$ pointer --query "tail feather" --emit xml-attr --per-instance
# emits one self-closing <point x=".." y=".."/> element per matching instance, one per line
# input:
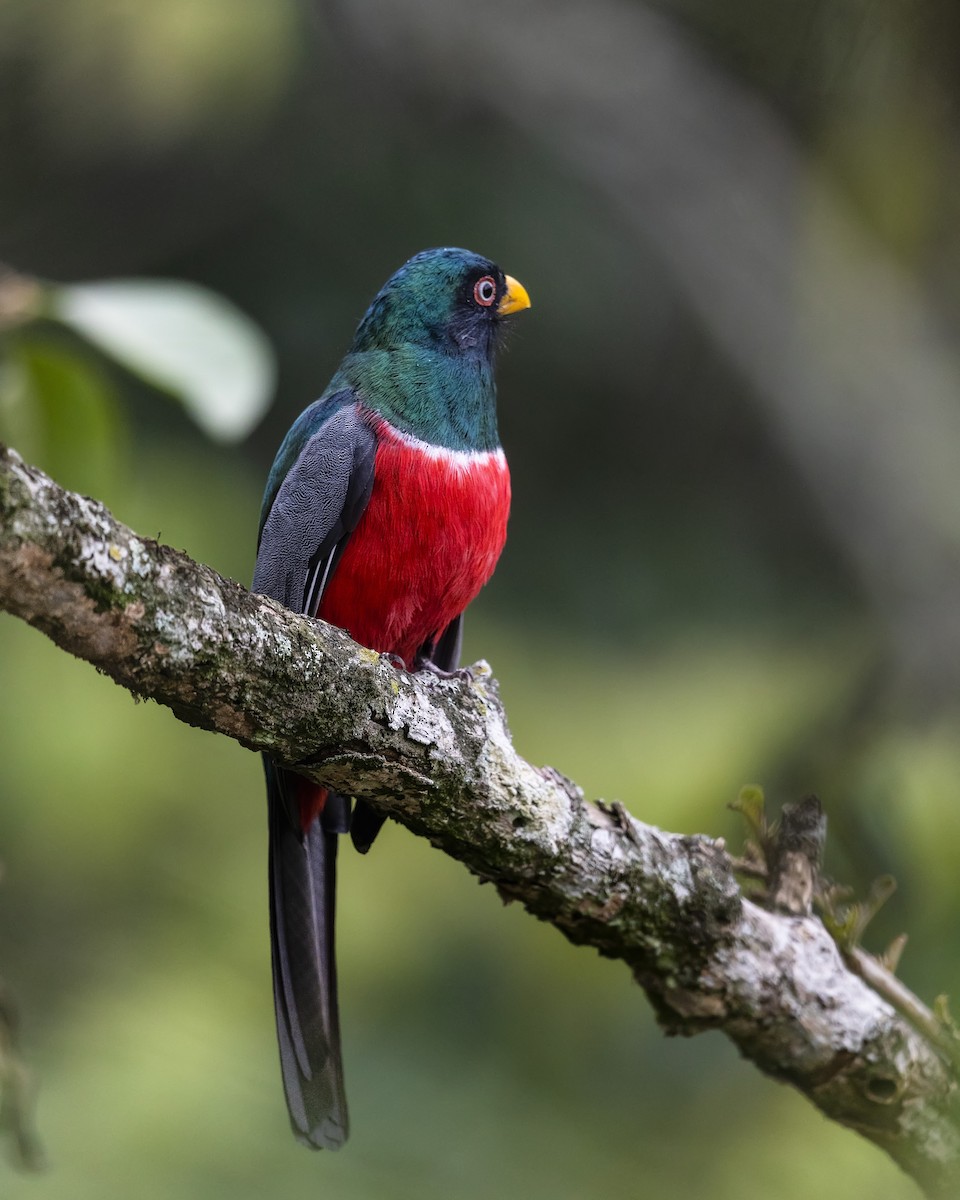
<point x="302" y="901"/>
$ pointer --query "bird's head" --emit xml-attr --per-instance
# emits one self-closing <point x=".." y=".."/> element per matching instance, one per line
<point x="445" y="300"/>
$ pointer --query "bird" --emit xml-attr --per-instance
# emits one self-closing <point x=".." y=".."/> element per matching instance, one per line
<point x="384" y="513"/>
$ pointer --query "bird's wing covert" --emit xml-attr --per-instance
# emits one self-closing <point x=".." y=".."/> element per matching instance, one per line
<point x="316" y="508"/>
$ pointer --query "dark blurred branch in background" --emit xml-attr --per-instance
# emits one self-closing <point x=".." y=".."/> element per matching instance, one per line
<point x="17" y="1091"/>
<point x="849" y="359"/>
<point x="437" y="756"/>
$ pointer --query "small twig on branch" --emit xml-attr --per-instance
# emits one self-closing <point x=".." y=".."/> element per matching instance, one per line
<point x="922" y="1018"/>
<point x="21" y="298"/>
<point x="437" y="756"/>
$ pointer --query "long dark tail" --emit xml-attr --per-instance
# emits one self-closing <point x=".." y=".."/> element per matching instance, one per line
<point x="303" y="870"/>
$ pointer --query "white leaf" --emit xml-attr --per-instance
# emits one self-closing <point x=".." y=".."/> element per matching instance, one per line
<point x="182" y="338"/>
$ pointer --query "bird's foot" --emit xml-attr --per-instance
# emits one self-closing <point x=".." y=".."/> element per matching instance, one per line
<point x="395" y="661"/>
<point x="426" y="664"/>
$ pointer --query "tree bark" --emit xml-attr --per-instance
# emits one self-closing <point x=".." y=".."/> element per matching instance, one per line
<point x="437" y="756"/>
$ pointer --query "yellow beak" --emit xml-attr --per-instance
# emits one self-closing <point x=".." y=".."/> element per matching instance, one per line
<point x="515" y="298"/>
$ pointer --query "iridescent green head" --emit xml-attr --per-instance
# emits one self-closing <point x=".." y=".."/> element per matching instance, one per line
<point x="423" y="353"/>
<point x="448" y="300"/>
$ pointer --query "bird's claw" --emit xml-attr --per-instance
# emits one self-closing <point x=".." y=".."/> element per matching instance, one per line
<point x="428" y="665"/>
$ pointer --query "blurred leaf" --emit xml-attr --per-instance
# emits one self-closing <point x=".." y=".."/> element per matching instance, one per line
<point x="59" y="411"/>
<point x="183" y="339"/>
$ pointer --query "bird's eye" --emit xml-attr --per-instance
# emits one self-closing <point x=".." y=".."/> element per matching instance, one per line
<point x="485" y="291"/>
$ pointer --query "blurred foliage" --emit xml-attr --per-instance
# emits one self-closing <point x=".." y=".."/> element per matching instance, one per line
<point x="678" y="611"/>
<point x="182" y="339"/>
<point x="58" y="408"/>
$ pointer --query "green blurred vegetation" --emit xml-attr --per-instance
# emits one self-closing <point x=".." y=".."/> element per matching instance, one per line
<point x="676" y="613"/>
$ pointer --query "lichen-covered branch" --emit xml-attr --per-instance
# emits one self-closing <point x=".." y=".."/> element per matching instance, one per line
<point x="437" y="756"/>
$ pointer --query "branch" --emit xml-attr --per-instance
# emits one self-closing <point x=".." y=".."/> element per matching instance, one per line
<point x="437" y="756"/>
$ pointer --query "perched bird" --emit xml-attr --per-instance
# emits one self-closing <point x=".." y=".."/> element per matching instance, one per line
<point x="385" y="513"/>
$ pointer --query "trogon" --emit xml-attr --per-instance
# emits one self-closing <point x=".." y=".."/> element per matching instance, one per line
<point x="385" y="513"/>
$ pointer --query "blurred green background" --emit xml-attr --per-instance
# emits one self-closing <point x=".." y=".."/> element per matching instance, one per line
<point x="733" y="420"/>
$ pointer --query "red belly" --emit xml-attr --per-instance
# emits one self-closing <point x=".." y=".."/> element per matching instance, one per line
<point x="426" y="544"/>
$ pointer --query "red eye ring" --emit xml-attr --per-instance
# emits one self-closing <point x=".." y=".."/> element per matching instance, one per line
<point x="485" y="291"/>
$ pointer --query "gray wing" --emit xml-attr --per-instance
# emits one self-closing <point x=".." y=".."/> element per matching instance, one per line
<point x="317" y="506"/>
<point x="315" y="510"/>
